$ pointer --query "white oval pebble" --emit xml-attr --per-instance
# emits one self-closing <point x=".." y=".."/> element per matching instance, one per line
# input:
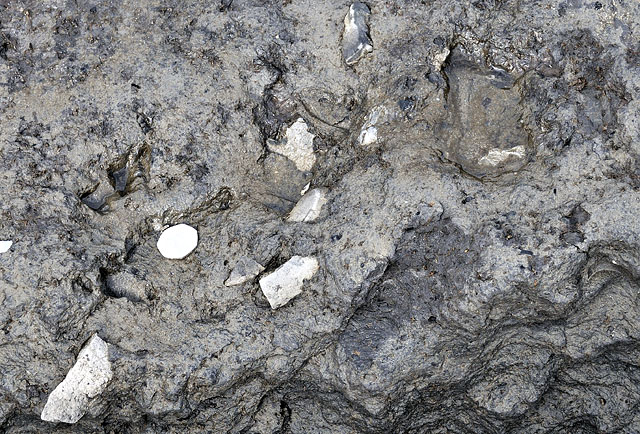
<point x="5" y="245"/>
<point x="177" y="241"/>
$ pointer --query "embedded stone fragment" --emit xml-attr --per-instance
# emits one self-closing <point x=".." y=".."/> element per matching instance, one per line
<point x="245" y="270"/>
<point x="5" y="245"/>
<point x="369" y="132"/>
<point x="308" y="207"/>
<point x="85" y="380"/>
<point x="497" y="156"/>
<point x="297" y="145"/>
<point x="177" y="241"/>
<point x="355" y="38"/>
<point x="286" y="282"/>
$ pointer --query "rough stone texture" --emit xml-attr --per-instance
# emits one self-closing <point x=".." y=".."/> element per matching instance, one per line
<point x="511" y="306"/>
<point x="86" y="379"/>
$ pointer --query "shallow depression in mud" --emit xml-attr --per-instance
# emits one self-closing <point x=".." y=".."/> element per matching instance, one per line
<point x="485" y="132"/>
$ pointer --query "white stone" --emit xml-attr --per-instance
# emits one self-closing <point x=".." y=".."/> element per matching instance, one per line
<point x="308" y="207"/>
<point x="305" y="189"/>
<point x="286" y="282"/>
<point x="297" y="146"/>
<point x="5" y="245"/>
<point x="176" y="242"/>
<point x="85" y="380"/>
<point x="369" y="132"/>
<point x="355" y="38"/>
<point x="245" y="270"/>
<point x="497" y="156"/>
<point x="368" y="136"/>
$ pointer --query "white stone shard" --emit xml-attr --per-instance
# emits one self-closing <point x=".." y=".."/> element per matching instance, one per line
<point x="355" y="38"/>
<point x="5" y="245"/>
<point x="176" y="242"/>
<point x="245" y="270"/>
<point x="85" y="380"/>
<point x="286" y="282"/>
<point x="497" y="156"/>
<point x="440" y="58"/>
<point x="297" y="146"/>
<point x="308" y="207"/>
<point x="369" y="132"/>
<point x="305" y="189"/>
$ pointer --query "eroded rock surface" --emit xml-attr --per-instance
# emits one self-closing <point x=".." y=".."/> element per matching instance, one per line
<point x="478" y="266"/>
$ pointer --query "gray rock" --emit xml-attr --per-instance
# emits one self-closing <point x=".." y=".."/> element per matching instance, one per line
<point x="355" y="38"/>
<point x="244" y="270"/>
<point x="479" y="259"/>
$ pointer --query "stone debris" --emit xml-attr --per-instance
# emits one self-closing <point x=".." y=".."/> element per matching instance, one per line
<point x="85" y="380"/>
<point x="497" y="156"/>
<point x="176" y="242"/>
<point x="245" y="270"/>
<point x="297" y="145"/>
<point x="308" y="207"/>
<point x="286" y="282"/>
<point x="305" y="189"/>
<point x="355" y="38"/>
<point x="369" y="132"/>
<point x="5" y="245"/>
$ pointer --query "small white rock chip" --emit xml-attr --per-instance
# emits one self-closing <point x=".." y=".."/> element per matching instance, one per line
<point x="286" y="282"/>
<point x="498" y="156"/>
<point x="355" y="38"/>
<point x="5" y="245"/>
<point x="369" y="132"/>
<point x="308" y="207"/>
<point x="85" y="380"/>
<point x="297" y="146"/>
<point x="245" y="270"/>
<point x="177" y="241"/>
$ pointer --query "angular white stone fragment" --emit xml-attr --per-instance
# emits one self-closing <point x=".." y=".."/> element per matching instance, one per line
<point x="177" y="241"/>
<point x="498" y="156"/>
<point x="245" y="270"/>
<point x="286" y="282"/>
<point x="297" y="146"/>
<point x="440" y="58"/>
<point x="369" y="132"/>
<point x="85" y="380"/>
<point x="368" y="136"/>
<point x="305" y="189"/>
<point x="355" y="38"/>
<point x="308" y="207"/>
<point x="5" y="245"/>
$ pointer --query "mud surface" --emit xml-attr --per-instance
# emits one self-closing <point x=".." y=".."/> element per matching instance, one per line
<point x="479" y="262"/>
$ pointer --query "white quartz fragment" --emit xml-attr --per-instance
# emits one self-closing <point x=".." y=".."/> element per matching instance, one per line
<point x="498" y="156"/>
<point x="355" y="38"/>
<point x="5" y="245"/>
<point x="308" y="207"/>
<point x="369" y="132"/>
<point x="297" y="145"/>
<point x="85" y="380"/>
<point x="286" y="282"/>
<point x="176" y="242"/>
<point x="244" y="270"/>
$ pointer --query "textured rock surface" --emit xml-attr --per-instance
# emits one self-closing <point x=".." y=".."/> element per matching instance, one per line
<point x="463" y="286"/>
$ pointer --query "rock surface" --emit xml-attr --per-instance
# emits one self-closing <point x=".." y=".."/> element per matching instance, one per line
<point x="85" y="380"/>
<point x="454" y="294"/>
